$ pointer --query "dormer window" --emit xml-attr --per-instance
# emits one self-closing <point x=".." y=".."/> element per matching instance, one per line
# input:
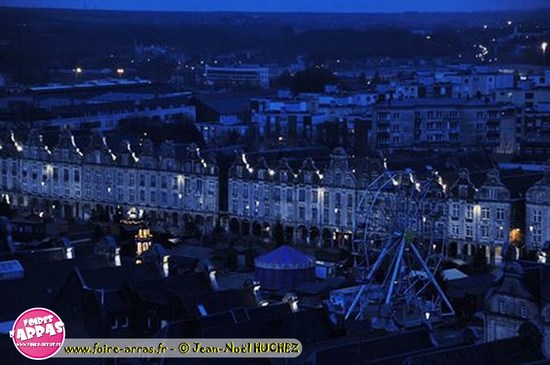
<point x="463" y="191"/>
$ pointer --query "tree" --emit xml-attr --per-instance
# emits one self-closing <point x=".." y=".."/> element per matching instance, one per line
<point x="285" y="79"/>
<point x="375" y="79"/>
<point x="312" y="80"/>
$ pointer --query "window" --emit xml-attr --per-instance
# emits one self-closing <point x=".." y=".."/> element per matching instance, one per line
<point x="500" y="233"/>
<point x="485" y="213"/>
<point x="537" y="216"/>
<point x="463" y="191"/>
<point x="314" y="215"/>
<point x="455" y="230"/>
<point x="277" y="194"/>
<point x="289" y="196"/>
<point x="502" y="307"/>
<point x="500" y="214"/>
<point x="326" y="198"/>
<point x="523" y="311"/>
<point x="455" y="210"/>
<point x="301" y="195"/>
<point x="301" y="214"/>
<point x="469" y="212"/>
<point x="314" y="196"/>
<point x="484" y="232"/>
<point x="338" y="200"/>
<point x="469" y="231"/>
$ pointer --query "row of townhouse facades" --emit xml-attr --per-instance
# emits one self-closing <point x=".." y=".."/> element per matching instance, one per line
<point x="330" y="206"/>
<point x="313" y="206"/>
<point x="74" y="183"/>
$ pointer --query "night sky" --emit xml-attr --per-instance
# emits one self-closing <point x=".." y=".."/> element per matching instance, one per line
<point x="288" y="5"/>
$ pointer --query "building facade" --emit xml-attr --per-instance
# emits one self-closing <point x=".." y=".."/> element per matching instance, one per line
<point x="242" y="75"/>
<point x="537" y="214"/>
<point x="444" y="124"/>
<point x="312" y="206"/>
<point x="479" y="219"/>
<point x="67" y="182"/>
<point x="518" y="296"/>
<point x="328" y="207"/>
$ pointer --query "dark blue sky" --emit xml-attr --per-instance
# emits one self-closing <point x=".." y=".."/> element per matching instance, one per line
<point x="289" y="5"/>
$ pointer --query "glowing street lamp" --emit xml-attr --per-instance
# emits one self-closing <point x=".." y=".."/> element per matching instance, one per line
<point x="543" y="47"/>
<point x="77" y="71"/>
<point x="120" y="72"/>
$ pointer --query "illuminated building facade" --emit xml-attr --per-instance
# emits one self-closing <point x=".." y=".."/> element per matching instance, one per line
<point x="313" y="207"/>
<point x="479" y="218"/>
<point x="537" y="214"/>
<point x="68" y="182"/>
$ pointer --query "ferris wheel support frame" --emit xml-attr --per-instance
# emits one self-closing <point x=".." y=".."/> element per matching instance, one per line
<point x="403" y="243"/>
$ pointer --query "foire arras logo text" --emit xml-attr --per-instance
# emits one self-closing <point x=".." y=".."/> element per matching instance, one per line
<point x="38" y="333"/>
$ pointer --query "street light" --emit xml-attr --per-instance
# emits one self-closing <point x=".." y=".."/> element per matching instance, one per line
<point x="544" y="46"/>
<point x="77" y="71"/>
<point x="120" y="71"/>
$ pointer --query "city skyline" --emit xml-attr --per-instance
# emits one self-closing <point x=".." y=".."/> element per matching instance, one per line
<point x="392" y="6"/>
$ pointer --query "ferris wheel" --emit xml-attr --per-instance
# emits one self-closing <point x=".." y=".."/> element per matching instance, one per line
<point x="398" y="247"/>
